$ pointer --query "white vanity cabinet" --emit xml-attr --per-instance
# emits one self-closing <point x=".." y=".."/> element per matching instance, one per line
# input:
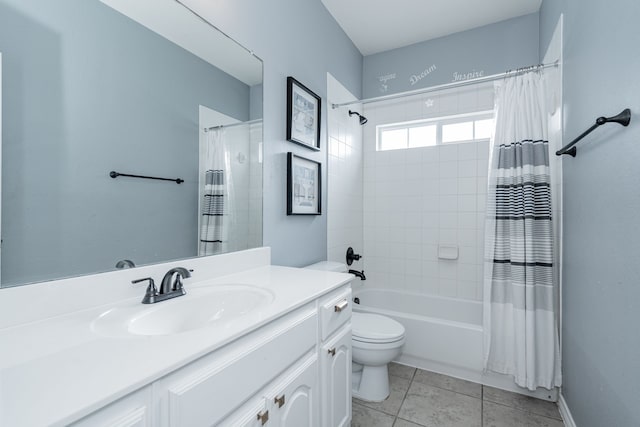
<point x="292" y="372"/>
<point x="210" y="390"/>
<point x="335" y="358"/>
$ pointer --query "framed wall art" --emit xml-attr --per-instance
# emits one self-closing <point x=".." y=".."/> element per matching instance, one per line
<point x="304" y="189"/>
<point x="303" y="115"/>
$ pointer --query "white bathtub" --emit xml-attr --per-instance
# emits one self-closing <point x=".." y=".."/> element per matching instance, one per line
<point x="442" y="335"/>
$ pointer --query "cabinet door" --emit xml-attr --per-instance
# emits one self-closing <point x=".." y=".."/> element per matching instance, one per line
<point x="252" y="414"/>
<point x="294" y="401"/>
<point x="336" y="379"/>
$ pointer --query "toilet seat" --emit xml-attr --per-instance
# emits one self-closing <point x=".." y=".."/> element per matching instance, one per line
<point x="374" y="328"/>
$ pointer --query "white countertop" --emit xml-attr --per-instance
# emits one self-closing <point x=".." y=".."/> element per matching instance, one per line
<point x="57" y="370"/>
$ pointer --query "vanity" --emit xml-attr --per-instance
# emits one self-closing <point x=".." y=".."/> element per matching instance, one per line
<point x="250" y="344"/>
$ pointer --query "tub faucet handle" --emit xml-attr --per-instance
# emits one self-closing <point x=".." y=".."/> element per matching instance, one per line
<point x="352" y="256"/>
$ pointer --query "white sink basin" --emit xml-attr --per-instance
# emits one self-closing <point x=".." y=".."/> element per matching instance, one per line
<point x="199" y="308"/>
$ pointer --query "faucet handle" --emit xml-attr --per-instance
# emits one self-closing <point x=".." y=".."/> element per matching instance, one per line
<point x="151" y="292"/>
<point x="182" y="274"/>
<point x="177" y="285"/>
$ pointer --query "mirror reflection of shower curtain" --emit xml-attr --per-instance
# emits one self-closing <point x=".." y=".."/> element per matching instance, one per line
<point x="217" y="202"/>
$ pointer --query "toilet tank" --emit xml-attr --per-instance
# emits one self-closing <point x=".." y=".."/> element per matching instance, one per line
<point x="338" y="267"/>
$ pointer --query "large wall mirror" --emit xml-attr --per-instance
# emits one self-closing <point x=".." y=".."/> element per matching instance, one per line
<point x="90" y="87"/>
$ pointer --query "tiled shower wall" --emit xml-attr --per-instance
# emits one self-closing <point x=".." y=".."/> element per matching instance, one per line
<point x="418" y="198"/>
<point x="345" y="162"/>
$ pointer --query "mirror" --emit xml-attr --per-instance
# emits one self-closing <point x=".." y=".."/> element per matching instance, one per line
<point x="90" y="87"/>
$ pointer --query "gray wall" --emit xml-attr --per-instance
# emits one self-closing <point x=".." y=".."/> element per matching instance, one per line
<point x="86" y="91"/>
<point x="601" y="296"/>
<point x="296" y="38"/>
<point x="482" y="51"/>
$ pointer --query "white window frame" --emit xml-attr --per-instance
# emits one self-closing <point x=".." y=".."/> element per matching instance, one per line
<point x="439" y="122"/>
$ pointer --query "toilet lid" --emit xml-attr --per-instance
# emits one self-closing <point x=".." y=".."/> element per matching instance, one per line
<point x="375" y="328"/>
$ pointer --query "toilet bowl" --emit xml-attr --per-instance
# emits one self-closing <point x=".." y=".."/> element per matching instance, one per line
<point x="376" y="341"/>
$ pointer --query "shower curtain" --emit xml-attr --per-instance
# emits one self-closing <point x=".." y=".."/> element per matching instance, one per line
<point x="520" y="290"/>
<point x="217" y="202"/>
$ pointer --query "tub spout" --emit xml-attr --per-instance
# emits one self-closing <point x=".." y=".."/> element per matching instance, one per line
<point x="359" y="274"/>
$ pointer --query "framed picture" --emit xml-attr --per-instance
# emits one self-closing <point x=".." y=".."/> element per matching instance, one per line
<point x="303" y="186"/>
<point x="303" y="115"/>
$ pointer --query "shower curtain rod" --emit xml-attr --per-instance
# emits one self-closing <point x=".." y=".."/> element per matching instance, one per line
<point x="250" y="122"/>
<point x="449" y="85"/>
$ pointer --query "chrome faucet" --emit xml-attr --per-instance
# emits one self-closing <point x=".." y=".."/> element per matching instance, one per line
<point x="169" y="285"/>
<point x="169" y="288"/>
<point x="125" y="263"/>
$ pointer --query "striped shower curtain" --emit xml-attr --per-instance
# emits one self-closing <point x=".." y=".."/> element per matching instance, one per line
<point x="217" y="201"/>
<point x="520" y="293"/>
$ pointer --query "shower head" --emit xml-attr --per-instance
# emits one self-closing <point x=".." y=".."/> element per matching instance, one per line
<point x="363" y="119"/>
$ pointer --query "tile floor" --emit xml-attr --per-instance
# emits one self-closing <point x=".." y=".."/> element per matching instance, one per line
<point x="426" y="399"/>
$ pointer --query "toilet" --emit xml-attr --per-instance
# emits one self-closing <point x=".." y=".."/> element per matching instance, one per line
<point x="376" y="341"/>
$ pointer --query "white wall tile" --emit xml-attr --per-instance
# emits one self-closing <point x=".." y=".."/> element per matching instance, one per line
<point x="467" y="289"/>
<point x="467" y="255"/>
<point x="467" y="272"/>
<point x="467" y="185"/>
<point x="448" y="269"/>
<point x="467" y="168"/>
<point x="448" y="186"/>
<point x="449" y="220"/>
<point x="448" y="203"/>
<point x="448" y="153"/>
<point x="430" y="155"/>
<point x="448" y="169"/>
<point x="448" y="236"/>
<point x="413" y="251"/>
<point x="430" y="236"/>
<point x="467" y="151"/>
<point x="430" y="252"/>
<point x="448" y="287"/>
<point x="467" y="203"/>
<point x="430" y="284"/>
<point x="430" y="269"/>
<point x="466" y="220"/>
<point x="468" y="237"/>
<point x="413" y="267"/>
<point x="416" y="199"/>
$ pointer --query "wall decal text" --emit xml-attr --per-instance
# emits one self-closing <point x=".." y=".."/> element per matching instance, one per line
<point x="384" y="79"/>
<point x="473" y="74"/>
<point x="417" y="77"/>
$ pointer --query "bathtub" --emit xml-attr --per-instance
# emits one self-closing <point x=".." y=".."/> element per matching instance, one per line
<point x="442" y="335"/>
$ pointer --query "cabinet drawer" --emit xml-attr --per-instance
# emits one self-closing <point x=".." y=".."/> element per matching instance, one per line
<point x="335" y="310"/>
<point x="206" y="395"/>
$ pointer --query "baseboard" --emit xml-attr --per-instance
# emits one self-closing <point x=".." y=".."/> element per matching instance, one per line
<point x="565" y="413"/>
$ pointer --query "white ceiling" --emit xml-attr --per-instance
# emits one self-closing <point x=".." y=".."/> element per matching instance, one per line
<point x="378" y="25"/>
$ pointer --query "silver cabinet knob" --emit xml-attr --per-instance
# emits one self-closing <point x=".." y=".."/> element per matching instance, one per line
<point x="263" y="417"/>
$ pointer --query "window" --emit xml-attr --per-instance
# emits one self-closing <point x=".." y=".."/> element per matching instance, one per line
<point x="442" y="130"/>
